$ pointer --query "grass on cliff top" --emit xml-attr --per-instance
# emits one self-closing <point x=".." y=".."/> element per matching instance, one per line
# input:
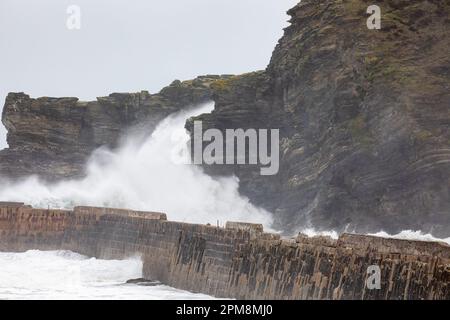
<point x="359" y="131"/>
<point x="226" y="84"/>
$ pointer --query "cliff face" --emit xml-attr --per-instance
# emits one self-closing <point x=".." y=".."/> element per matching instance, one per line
<point x="364" y="117"/>
<point x="239" y="261"/>
<point x="53" y="137"/>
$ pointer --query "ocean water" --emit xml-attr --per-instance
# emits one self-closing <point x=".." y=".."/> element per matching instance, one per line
<point x="65" y="275"/>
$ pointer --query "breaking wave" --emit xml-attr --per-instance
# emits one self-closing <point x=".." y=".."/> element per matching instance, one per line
<point x="411" y="235"/>
<point x="147" y="176"/>
<point x="404" y="235"/>
<point x="153" y="176"/>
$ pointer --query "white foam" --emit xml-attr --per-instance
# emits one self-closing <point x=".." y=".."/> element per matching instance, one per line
<point x="405" y="234"/>
<point x="411" y="235"/>
<point x="311" y="232"/>
<point x="147" y="177"/>
<point x="67" y="275"/>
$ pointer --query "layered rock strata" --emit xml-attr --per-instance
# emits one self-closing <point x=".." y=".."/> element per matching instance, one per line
<point x="364" y="117"/>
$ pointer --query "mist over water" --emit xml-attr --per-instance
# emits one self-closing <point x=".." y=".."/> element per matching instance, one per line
<point x="153" y="176"/>
<point x="148" y="176"/>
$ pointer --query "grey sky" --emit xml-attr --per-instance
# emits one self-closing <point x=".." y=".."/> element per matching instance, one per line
<point x="131" y="45"/>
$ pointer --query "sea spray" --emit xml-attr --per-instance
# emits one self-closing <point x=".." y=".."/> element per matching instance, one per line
<point x="411" y="235"/>
<point x="154" y="175"/>
<point x="403" y="235"/>
<point x="147" y="176"/>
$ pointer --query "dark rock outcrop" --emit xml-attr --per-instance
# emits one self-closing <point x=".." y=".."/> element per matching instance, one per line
<point x="53" y="137"/>
<point x="144" y="282"/>
<point x="364" y="118"/>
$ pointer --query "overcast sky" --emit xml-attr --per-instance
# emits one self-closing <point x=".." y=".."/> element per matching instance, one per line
<point x="131" y="45"/>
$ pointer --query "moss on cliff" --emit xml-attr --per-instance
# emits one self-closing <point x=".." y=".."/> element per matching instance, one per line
<point x="360" y="132"/>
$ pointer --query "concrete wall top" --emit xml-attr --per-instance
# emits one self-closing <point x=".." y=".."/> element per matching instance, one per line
<point x="393" y="245"/>
<point x="11" y="204"/>
<point x="244" y="226"/>
<point x="121" y="212"/>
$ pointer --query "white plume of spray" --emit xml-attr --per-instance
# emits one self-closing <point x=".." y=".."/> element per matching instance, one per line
<point x="311" y="232"/>
<point x="404" y="235"/>
<point x="42" y="275"/>
<point x="151" y="176"/>
<point x="148" y="176"/>
<point x="411" y="235"/>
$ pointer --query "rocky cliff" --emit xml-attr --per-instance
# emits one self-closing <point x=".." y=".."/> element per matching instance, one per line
<point x="364" y="117"/>
<point x="53" y="137"/>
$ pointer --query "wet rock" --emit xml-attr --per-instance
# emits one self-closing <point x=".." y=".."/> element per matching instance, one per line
<point x="144" y="282"/>
<point x="363" y="115"/>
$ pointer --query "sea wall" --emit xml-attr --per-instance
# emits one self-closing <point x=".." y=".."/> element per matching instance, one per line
<point x="238" y="261"/>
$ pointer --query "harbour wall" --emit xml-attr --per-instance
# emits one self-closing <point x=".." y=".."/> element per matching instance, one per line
<point x="239" y="260"/>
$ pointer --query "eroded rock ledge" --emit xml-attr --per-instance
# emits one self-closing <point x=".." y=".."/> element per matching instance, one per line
<point x="239" y="261"/>
<point x="53" y="137"/>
